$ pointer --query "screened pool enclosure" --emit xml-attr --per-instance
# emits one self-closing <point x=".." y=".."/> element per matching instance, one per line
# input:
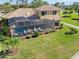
<point x="23" y="26"/>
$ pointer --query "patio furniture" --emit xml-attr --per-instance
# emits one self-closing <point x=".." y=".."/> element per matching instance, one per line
<point x="39" y="29"/>
<point x="15" y="34"/>
<point x="35" y="30"/>
<point x="20" y="34"/>
<point x="25" y="32"/>
<point x="29" y="31"/>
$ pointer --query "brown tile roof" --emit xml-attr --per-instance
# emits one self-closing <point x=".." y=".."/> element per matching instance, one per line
<point x="47" y="8"/>
<point x="20" y="12"/>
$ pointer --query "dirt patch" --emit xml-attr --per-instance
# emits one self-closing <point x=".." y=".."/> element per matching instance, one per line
<point x="14" y="52"/>
<point x="41" y="56"/>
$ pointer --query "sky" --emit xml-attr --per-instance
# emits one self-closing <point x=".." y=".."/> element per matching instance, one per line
<point x="50" y="1"/>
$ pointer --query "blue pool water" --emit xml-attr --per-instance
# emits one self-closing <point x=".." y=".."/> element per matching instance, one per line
<point x="20" y="30"/>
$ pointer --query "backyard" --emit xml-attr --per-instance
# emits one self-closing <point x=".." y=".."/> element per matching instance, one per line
<point x="60" y="42"/>
<point x="55" y="45"/>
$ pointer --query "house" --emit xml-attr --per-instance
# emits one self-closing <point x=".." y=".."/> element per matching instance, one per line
<point x="27" y="20"/>
<point x="49" y="12"/>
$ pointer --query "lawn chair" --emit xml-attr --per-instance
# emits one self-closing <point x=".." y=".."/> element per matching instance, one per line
<point x="15" y="34"/>
<point x="25" y="32"/>
<point x="29" y="31"/>
<point x="39" y="29"/>
<point x="36" y="30"/>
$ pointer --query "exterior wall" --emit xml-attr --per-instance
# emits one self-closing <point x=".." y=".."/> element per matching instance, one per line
<point x="12" y="30"/>
<point x="49" y="15"/>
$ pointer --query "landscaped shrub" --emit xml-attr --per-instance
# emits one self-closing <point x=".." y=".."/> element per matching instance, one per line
<point x="65" y="12"/>
<point x="71" y="31"/>
<point x="75" y="18"/>
<point x="68" y="12"/>
<point x="46" y="32"/>
<point x="5" y="29"/>
<point x="2" y="54"/>
<point x="27" y="37"/>
<point x="66" y="16"/>
<point x="61" y="26"/>
<point x="36" y="34"/>
<point x="71" y="11"/>
<point x="8" y="51"/>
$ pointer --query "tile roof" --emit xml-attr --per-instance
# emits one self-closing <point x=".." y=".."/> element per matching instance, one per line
<point x="47" y="8"/>
<point x="20" y="12"/>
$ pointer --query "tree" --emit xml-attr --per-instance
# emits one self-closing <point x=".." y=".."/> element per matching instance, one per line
<point x="22" y="3"/>
<point x="38" y="3"/>
<point x="62" y="5"/>
<point x="9" y="42"/>
<point x="75" y="6"/>
<point x="45" y="3"/>
<point x="14" y="41"/>
<point x="6" y="7"/>
<point x="8" y="45"/>
<point x="57" y="4"/>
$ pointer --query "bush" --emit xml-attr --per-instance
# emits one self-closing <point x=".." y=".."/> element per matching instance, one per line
<point x="70" y="12"/>
<point x="71" y="32"/>
<point x="65" y="12"/>
<point x="5" y="29"/>
<point x="61" y="26"/>
<point x="66" y="16"/>
<point x="36" y="34"/>
<point x="75" y="18"/>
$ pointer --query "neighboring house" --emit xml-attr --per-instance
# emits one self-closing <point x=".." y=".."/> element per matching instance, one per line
<point x="26" y="20"/>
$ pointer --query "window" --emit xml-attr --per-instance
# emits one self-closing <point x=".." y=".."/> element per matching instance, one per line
<point x="54" y="12"/>
<point x="43" y="13"/>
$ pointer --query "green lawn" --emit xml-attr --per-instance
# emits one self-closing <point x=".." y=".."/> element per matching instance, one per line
<point x="54" y="45"/>
<point x="69" y="20"/>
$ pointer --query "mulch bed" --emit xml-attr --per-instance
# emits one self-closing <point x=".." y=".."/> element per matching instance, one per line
<point x="14" y="51"/>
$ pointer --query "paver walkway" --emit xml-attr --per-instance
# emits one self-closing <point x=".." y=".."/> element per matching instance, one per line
<point x="70" y="25"/>
<point x="76" y="56"/>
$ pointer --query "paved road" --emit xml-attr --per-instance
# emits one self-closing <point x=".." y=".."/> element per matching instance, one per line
<point x="70" y="25"/>
<point x="76" y="56"/>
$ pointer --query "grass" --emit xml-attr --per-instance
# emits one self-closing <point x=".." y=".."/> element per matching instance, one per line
<point x="69" y="19"/>
<point x="54" y="45"/>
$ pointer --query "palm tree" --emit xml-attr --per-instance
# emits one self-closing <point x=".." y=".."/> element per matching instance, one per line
<point x="22" y="3"/>
<point x="9" y="42"/>
<point x="14" y="42"/>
